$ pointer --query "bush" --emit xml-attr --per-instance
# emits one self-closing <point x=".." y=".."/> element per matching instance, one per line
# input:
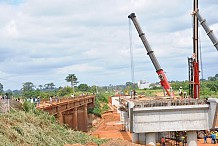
<point x="27" y="106"/>
<point x="101" y="105"/>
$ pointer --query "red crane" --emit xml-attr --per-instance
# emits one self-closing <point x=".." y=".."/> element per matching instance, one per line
<point x="195" y="82"/>
<point x="163" y="79"/>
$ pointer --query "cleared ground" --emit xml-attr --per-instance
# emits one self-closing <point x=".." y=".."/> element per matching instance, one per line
<point x="110" y="127"/>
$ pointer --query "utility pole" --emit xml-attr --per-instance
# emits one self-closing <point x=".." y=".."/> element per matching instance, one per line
<point x="196" y="82"/>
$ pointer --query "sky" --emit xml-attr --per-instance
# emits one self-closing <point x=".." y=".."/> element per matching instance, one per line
<point x="42" y="41"/>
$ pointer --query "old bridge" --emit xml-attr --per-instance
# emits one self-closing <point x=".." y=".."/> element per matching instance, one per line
<point x="71" y="111"/>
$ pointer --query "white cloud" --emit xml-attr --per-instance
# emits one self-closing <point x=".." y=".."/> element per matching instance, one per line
<point x="43" y="41"/>
<point x="11" y="30"/>
<point x="79" y="68"/>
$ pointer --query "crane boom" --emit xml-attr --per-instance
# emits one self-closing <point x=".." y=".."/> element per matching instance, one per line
<point x="207" y="29"/>
<point x="163" y="79"/>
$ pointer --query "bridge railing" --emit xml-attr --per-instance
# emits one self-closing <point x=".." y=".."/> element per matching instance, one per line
<point x="54" y="101"/>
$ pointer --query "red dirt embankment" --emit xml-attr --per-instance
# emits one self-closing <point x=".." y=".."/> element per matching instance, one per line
<point x="110" y="127"/>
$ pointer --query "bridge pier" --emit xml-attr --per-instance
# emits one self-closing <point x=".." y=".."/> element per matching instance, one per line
<point x="75" y="119"/>
<point x="142" y="139"/>
<point x="60" y="117"/>
<point x="150" y="139"/>
<point x="83" y="119"/>
<point x="135" y="138"/>
<point x="192" y="138"/>
<point x="72" y="111"/>
<point x="68" y="118"/>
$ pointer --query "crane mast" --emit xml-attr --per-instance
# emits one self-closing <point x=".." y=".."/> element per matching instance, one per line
<point x="207" y="29"/>
<point x="195" y="80"/>
<point x="163" y="79"/>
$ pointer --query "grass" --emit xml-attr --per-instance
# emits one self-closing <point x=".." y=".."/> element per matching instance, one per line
<point x="36" y="128"/>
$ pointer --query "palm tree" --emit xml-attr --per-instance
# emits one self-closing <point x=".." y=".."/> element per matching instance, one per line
<point x="40" y="87"/>
<point x="49" y="86"/>
<point x="72" y="79"/>
<point x="28" y="86"/>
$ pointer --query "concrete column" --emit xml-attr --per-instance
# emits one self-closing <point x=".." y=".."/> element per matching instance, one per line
<point x="131" y="105"/>
<point x="60" y="118"/>
<point x="135" y="138"/>
<point x="150" y="139"/>
<point x="67" y="119"/>
<point x="85" y="118"/>
<point x="142" y="138"/>
<point x="75" y="121"/>
<point x="82" y="119"/>
<point x="125" y="121"/>
<point x="192" y="138"/>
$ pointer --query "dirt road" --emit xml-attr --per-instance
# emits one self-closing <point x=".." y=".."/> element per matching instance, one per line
<point x="110" y="127"/>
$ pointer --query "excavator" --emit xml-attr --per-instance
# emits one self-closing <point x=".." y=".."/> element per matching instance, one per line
<point x="163" y="79"/>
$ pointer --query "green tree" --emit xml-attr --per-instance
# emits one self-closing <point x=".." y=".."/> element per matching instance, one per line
<point x="28" y="89"/>
<point x="216" y="75"/>
<point x="40" y="87"/>
<point x="93" y="89"/>
<point x="130" y="84"/>
<point x="65" y="91"/>
<point x="28" y="86"/>
<point x="212" y="85"/>
<point x="83" y="87"/>
<point x="49" y="86"/>
<point x="72" y="79"/>
<point x="213" y="79"/>
<point x="1" y="88"/>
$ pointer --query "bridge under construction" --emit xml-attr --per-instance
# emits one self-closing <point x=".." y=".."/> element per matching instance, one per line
<point x="145" y="119"/>
<point x="71" y="111"/>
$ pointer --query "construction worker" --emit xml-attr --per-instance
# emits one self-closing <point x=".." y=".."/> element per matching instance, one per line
<point x="131" y="94"/>
<point x="213" y="138"/>
<point x="180" y="91"/>
<point x="183" y="138"/>
<point x="205" y="137"/>
<point x="216" y="133"/>
<point x="163" y="141"/>
<point x="177" y="138"/>
<point x="134" y="94"/>
<point x="185" y="94"/>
